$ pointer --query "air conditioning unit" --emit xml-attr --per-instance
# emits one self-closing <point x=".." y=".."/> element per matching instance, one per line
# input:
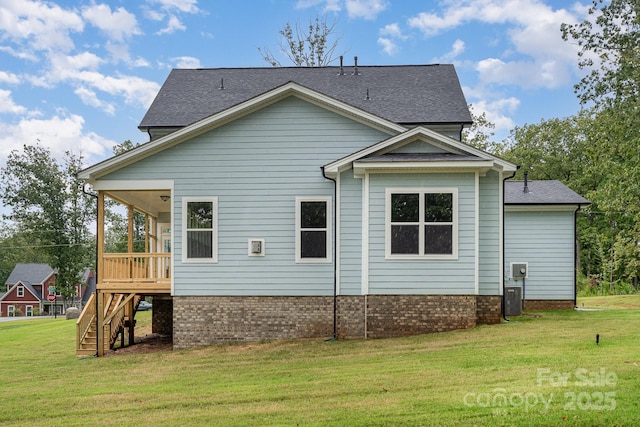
<point x="513" y="301"/>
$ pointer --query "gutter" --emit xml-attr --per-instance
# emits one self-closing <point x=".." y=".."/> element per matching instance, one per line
<point x="504" y="253"/>
<point x="335" y="255"/>
<point x="575" y="257"/>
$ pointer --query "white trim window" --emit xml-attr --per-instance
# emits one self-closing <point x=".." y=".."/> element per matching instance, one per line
<point x="421" y="223"/>
<point x="11" y="311"/>
<point x="29" y="312"/>
<point x="313" y="229"/>
<point x="20" y="291"/>
<point x="200" y="229"/>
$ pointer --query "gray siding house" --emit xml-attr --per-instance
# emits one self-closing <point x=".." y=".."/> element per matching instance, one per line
<point x="307" y="202"/>
<point x="540" y="235"/>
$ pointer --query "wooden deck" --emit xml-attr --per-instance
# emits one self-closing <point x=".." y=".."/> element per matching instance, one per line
<point x="141" y="273"/>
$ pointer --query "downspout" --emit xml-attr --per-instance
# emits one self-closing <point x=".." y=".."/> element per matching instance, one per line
<point x="335" y="256"/>
<point x="575" y="257"/>
<point x="96" y="260"/>
<point x="504" y="253"/>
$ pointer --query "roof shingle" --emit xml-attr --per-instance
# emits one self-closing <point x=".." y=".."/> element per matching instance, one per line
<point x="406" y="94"/>
<point x="541" y="193"/>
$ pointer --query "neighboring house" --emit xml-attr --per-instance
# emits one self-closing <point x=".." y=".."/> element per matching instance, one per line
<point x="28" y="291"/>
<point x="303" y="202"/>
<point x="540" y="236"/>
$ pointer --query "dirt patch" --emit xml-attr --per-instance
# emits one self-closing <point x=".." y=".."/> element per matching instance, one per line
<point x="149" y="343"/>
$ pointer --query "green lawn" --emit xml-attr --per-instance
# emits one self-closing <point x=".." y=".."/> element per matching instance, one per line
<point x="543" y="368"/>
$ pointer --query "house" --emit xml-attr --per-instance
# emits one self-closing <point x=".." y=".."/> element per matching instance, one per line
<point x="540" y="237"/>
<point x="30" y="291"/>
<point x="302" y="202"/>
<point x="27" y="290"/>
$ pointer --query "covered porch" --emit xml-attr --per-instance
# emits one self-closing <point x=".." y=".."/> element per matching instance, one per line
<point x="129" y="267"/>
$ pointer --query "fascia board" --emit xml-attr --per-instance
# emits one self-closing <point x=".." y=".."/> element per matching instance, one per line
<point x="482" y="167"/>
<point x="542" y="207"/>
<point x="434" y="137"/>
<point x="289" y="89"/>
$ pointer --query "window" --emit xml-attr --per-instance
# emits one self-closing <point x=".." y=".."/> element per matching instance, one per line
<point x="199" y="230"/>
<point x="313" y="229"/>
<point x="421" y="223"/>
<point x="11" y="311"/>
<point x="29" y="311"/>
<point x="20" y="291"/>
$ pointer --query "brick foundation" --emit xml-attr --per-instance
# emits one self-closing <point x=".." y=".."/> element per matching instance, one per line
<point x="214" y="320"/>
<point x="489" y="309"/>
<point x="549" y="304"/>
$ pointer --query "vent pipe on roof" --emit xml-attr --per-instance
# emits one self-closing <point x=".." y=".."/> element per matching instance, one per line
<point x="367" y="97"/>
<point x="341" y="73"/>
<point x="526" y="181"/>
<point x="355" y="66"/>
<point x="221" y="87"/>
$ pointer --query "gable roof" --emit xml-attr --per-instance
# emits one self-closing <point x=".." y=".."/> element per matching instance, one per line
<point x="29" y="273"/>
<point x="27" y="286"/>
<point x="405" y="94"/>
<point x="381" y="155"/>
<point x="232" y="113"/>
<point x="541" y="193"/>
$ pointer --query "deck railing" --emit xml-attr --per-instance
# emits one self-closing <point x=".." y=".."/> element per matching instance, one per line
<point x="137" y="267"/>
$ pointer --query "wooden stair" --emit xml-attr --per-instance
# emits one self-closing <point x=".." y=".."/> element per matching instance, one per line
<point x="114" y="323"/>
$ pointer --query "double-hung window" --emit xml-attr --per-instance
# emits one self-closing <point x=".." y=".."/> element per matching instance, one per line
<point x="200" y="229"/>
<point x="422" y="223"/>
<point x="20" y="291"/>
<point x="313" y="229"/>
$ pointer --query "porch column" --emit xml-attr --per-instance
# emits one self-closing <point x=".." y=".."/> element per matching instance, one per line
<point x="130" y="229"/>
<point x="100" y="277"/>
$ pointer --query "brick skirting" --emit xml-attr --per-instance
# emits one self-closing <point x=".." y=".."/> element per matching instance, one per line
<point x="549" y="304"/>
<point x="201" y="321"/>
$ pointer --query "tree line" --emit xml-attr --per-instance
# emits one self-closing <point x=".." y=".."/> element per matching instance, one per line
<point x="595" y="152"/>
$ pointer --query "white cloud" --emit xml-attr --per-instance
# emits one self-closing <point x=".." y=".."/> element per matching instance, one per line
<point x="366" y="9"/>
<point x="457" y="48"/>
<point x="9" y="78"/>
<point x="393" y="30"/>
<point x="59" y="133"/>
<point x="185" y="6"/>
<point x="36" y="26"/>
<point x="118" y="25"/>
<point x="388" y="46"/>
<point x="7" y="105"/>
<point x="89" y="97"/>
<point x="186" y="62"/>
<point x="173" y="25"/>
<point x="498" y="110"/>
<point x="539" y="56"/>
<point x="356" y="9"/>
<point x="390" y="34"/>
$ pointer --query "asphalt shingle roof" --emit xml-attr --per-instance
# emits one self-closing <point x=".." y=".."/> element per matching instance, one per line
<point x="541" y="193"/>
<point x="405" y="94"/>
<point x="29" y="273"/>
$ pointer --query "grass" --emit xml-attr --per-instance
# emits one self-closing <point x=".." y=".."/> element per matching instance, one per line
<point x="455" y="378"/>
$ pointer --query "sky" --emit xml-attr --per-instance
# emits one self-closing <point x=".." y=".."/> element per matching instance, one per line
<point x="79" y="75"/>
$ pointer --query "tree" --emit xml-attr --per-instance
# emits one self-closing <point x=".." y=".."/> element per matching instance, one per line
<point x="124" y="147"/>
<point x="610" y="47"/>
<point x="48" y="206"/>
<point x="17" y="247"/>
<point x="314" y="48"/>
<point x="480" y="134"/>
